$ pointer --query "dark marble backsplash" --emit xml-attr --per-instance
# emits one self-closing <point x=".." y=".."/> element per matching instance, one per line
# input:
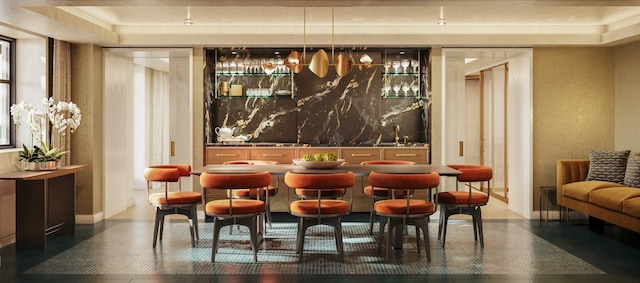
<point x="341" y="111"/>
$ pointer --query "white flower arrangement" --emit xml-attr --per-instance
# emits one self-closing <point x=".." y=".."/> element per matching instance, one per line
<point x="62" y="116"/>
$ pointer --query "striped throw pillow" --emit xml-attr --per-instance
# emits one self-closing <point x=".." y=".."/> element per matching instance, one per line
<point x="607" y="166"/>
<point x="632" y="175"/>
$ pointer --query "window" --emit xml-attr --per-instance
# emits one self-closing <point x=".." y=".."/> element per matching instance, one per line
<point x="7" y="91"/>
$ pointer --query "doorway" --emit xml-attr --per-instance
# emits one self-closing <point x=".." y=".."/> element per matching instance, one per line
<point x="147" y="105"/>
<point x="493" y="127"/>
<point x="487" y="98"/>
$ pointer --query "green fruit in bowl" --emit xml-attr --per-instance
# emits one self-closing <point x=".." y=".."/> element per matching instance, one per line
<point x="320" y="156"/>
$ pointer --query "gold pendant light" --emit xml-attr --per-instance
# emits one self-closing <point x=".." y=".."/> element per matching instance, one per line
<point x="319" y="64"/>
<point x="294" y="62"/>
<point x="343" y="65"/>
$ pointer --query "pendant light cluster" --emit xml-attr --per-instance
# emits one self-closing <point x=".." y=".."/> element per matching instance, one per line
<point x="319" y="64"/>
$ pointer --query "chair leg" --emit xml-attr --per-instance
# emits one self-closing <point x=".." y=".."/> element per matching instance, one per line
<point x="336" y="223"/>
<point x="474" y="219"/>
<point x="443" y="210"/>
<point x="195" y="221"/>
<point x="418" y="238"/>
<point x="216" y="234"/>
<point x="253" y="236"/>
<point x="371" y="216"/>
<point x="383" y="224"/>
<point x="300" y="237"/>
<point x="156" y="226"/>
<point x="444" y="226"/>
<point x="161" y="227"/>
<point x="422" y="224"/>
<point x="268" y="214"/>
<point x="191" y="230"/>
<point x="480" y="232"/>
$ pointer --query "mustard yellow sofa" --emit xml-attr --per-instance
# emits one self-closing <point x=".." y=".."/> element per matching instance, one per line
<point x="612" y="202"/>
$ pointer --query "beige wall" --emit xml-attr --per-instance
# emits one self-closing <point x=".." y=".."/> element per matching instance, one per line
<point x="86" y="142"/>
<point x="573" y="107"/>
<point x="627" y="97"/>
<point x="198" y="112"/>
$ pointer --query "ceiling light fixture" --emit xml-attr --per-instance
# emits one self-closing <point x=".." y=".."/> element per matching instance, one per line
<point x="441" y="21"/>
<point x="188" y="21"/>
<point x="319" y="64"/>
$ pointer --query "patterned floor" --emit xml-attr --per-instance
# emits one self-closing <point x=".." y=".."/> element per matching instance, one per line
<point x="107" y="253"/>
<point x="515" y="251"/>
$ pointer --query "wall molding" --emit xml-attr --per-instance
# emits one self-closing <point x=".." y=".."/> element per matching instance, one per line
<point x="89" y="219"/>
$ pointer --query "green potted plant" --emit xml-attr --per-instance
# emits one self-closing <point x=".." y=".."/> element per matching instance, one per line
<point x="41" y="158"/>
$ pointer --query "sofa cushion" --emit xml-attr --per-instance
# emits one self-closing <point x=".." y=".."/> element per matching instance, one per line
<point x="632" y="174"/>
<point x="607" y="166"/>
<point x="581" y="190"/>
<point x="613" y="198"/>
<point x="632" y="207"/>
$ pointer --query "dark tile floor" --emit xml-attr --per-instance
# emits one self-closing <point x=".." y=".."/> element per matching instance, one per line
<point x="546" y="252"/>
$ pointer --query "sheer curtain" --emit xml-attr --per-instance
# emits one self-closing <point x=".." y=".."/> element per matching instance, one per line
<point x="62" y="92"/>
<point x="158" y="114"/>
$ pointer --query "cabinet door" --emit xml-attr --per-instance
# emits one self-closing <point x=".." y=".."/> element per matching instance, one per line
<point x="217" y="155"/>
<point x="417" y="155"/>
<point x="357" y="155"/>
<point x="281" y="155"/>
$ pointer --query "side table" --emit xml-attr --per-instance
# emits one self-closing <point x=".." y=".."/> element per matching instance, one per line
<point x="548" y="193"/>
<point x="45" y="204"/>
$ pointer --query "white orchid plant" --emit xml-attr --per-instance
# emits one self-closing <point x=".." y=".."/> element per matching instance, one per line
<point x="62" y="116"/>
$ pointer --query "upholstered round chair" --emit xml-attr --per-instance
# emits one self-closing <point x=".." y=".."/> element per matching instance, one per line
<point x="232" y="211"/>
<point x="377" y="193"/>
<point x="467" y="201"/>
<point x="171" y="202"/>
<point x="320" y="210"/>
<point x="264" y="194"/>
<point x="396" y="213"/>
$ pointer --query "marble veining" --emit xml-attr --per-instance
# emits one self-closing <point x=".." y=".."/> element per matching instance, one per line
<point x="333" y="110"/>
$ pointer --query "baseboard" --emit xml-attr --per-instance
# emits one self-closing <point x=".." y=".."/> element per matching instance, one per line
<point x="89" y="219"/>
<point x="7" y="240"/>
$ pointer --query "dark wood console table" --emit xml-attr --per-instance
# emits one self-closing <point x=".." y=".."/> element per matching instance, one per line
<point x="45" y="204"/>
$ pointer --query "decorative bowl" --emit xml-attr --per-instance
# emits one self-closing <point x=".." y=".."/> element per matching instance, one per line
<point x="318" y="164"/>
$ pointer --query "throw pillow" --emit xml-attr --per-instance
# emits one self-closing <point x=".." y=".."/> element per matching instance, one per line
<point x="607" y="166"/>
<point x="632" y="175"/>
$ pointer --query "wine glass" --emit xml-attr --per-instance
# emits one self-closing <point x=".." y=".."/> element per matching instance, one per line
<point x="396" y="66"/>
<point x="405" y="64"/>
<point x="225" y="67"/>
<point x="233" y="67"/>
<point x="415" y="64"/>
<point x="387" y="66"/>
<point x="415" y="88"/>
<point x="240" y="67"/>
<point x="405" y="89"/>
<point x="396" y="89"/>
<point x="387" y="89"/>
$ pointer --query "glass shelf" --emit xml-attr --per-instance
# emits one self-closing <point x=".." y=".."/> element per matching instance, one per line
<point x="400" y="74"/>
<point x="220" y="74"/>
